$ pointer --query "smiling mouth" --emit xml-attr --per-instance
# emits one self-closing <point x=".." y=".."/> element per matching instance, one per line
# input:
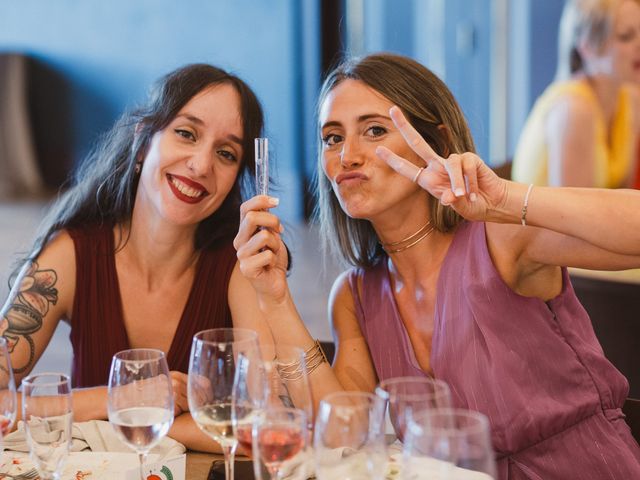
<point x="185" y="190"/>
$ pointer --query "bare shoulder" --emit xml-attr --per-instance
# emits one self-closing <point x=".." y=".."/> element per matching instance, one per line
<point x="574" y="112"/>
<point x="41" y="294"/>
<point x="56" y="264"/>
<point x="353" y="365"/>
<point x="342" y="309"/>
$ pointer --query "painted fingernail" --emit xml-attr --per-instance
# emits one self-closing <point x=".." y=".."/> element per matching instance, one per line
<point x="281" y="229"/>
<point x="381" y="152"/>
<point x="274" y="201"/>
<point x="459" y="192"/>
<point x="473" y="197"/>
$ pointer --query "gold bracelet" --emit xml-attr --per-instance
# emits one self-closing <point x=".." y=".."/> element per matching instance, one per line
<point x="314" y="356"/>
<point x="523" y="217"/>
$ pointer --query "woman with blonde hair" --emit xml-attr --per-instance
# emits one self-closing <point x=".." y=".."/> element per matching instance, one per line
<point x="583" y="130"/>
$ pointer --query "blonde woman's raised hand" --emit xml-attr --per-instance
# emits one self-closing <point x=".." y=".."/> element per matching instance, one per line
<point x="462" y="181"/>
<point x="261" y="252"/>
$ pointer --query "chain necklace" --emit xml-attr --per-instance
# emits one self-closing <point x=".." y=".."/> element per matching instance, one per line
<point x="422" y="233"/>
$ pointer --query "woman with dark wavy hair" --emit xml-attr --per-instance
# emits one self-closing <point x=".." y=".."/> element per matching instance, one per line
<point x="138" y="252"/>
<point x="456" y="273"/>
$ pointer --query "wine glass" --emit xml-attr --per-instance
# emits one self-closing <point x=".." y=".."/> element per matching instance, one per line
<point x="349" y="437"/>
<point x="8" y="399"/>
<point x="140" y="399"/>
<point x="48" y="415"/>
<point x="279" y="435"/>
<point x="212" y="371"/>
<point x="407" y="395"/>
<point x="447" y="443"/>
<point x="273" y="377"/>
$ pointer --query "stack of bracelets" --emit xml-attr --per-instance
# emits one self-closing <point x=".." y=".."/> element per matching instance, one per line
<point x="313" y="358"/>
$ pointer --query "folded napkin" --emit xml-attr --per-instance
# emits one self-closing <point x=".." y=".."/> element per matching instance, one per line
<point x="95" y="436"/>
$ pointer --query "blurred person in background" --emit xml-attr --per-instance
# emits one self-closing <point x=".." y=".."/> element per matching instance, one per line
<point x="583" y="130"/>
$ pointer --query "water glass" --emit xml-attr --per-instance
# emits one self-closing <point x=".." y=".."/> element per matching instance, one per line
<point x="349" y="437"/>
<point x="48" y="415"/>
<point x="140" y="399"/>
<point x="449" y="444"/>
<point x="407" y="395"/>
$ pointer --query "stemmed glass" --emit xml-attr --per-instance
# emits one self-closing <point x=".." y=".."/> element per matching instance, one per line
<point x="140" y="403"/>
<point x="349" y="437"/>
<point x="47" y="411"/>
<point x="279" y="435"/>
<point x="447" y="443"/>
<point x="271" y="378"/>
<point x="8" y="399"/>
<point x="212" y="371"/>
<point x="408" y="395"/>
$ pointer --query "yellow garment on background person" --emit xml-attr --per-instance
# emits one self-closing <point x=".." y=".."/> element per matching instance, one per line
<point x="613" y="162"/>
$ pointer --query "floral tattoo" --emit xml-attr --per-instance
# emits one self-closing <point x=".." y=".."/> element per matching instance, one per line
<point x="29" y="302"/>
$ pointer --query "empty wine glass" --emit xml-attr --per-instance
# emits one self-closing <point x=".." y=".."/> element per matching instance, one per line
<point x="212" y="371"/>
<point x="47" y="412"/>
<point x="448" y="443"/>
<point x="407" y="395"/>
<point x="349" y="437"/>
<point x="140" y="401"/>
<point x="8" y="399"/>
<point x="279" y="435"/>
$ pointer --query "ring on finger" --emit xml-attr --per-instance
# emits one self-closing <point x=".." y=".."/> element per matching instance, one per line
<point x="417" y="175"/>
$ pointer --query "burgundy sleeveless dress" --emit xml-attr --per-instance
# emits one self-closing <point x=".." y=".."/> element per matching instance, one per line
<point x="534" y="368"/>
<point x="97" y="325"/>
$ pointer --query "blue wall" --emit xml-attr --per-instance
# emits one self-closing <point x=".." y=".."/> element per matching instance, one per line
<point x="111" y="52"/>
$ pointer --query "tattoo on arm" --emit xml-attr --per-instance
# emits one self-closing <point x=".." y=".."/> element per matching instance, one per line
<point x="29" y="301"/>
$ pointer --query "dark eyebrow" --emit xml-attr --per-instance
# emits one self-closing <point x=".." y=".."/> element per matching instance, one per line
<point x="199" y="122"/>
<point x="361" y="118"/>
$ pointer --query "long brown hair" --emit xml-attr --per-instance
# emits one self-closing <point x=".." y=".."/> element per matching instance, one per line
<point x="103" y="188"/>
<point x="434" y="113"/>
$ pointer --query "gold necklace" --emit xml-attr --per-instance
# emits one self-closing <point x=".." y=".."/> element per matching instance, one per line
<point x="422" y="233"/>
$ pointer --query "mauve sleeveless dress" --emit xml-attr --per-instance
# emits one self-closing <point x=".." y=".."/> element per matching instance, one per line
<point x="534" y="368"/>
<point x="97" y="325"/>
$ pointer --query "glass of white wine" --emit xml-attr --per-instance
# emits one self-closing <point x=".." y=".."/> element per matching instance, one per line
<point x="215" y="357"/>
<point x="140" y="399"/>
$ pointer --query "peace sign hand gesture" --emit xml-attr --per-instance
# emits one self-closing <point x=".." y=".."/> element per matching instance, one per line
<point x="462" y="181"/>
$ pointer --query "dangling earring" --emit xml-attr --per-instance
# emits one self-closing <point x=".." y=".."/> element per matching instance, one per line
<point x="138" y="168"/>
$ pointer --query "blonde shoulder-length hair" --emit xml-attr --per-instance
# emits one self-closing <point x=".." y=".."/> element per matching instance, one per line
<point x="583" y="22"/>
<point x="433" y="112"/>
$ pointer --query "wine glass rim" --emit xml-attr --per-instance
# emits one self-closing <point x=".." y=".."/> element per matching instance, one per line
<point x="283" y="409"/>
<point x="62" y="379"/>
<point x="352" y="394"/>
<point x="119" y="356"/>
<point x="479" y="421"/>
<point x="252" y="335"/>
<point x="440" y="387"/>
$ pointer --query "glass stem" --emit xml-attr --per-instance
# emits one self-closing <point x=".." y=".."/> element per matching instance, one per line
<point x="273" y="470"/>
<point x="229" y="452"/>
<point x="141" y="457"/>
